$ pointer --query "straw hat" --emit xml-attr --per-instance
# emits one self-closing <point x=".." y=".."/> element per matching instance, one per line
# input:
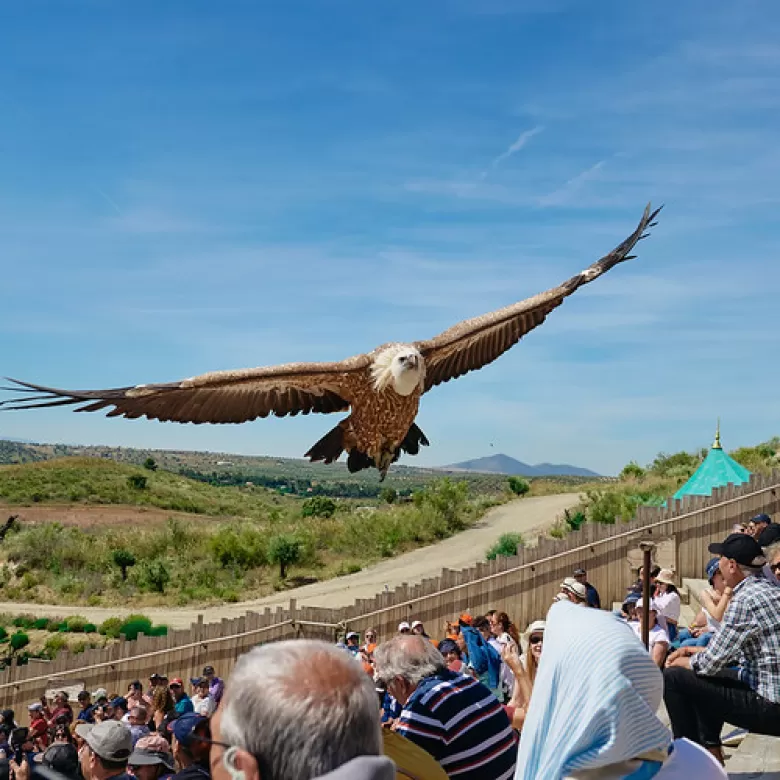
<point x="666" y="576"/>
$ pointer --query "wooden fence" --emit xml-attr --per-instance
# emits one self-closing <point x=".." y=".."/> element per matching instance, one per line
<point x="522" y="585"/>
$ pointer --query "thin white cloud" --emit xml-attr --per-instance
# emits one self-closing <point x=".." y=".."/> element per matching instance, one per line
<point x="562" y="195"/>
<point x="521" y="141"/>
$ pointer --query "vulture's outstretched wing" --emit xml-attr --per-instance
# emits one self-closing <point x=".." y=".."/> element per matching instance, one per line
<point x="472" y="344"/>
<point x="218" y="397"/>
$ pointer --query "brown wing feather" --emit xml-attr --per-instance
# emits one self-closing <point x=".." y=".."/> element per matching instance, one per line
<point x="218" y="397"/>
<point x="472" y="344"/>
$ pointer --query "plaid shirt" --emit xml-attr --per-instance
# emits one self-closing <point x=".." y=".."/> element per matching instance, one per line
<point x="748" y="637"/>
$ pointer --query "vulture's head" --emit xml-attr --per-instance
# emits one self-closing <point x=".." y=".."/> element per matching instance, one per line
<point x="398" y="366"/>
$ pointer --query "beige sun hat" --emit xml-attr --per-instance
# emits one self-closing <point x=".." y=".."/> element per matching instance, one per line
<point x="666" y="576"/>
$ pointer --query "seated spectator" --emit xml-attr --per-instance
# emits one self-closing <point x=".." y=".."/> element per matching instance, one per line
<point x="162" y="704"/>
<point x="638" y="586"/>
<point x="39" y="726"/>
<point x="419" y="629"/>
<point x="404" y="627"/>
<point x="135" y="695"/>
<point x="353" y="642"/>
<point x="152" y="759"/>
<point x="756" y="525"/>
<point x="216" y="685"/>
<point x="60" y="709"/>
<point x="202" y="703"/>
<point x="434" y="701"/>
<point x="108" y="746"/>
<point x="483" y="658"/>
<point x="714" y="601"/>
<point x="181" y="701"/>
<point x="573" y="591"/>
<point x="451" y="654"/>
<point x="504" y="633"/>
<point x="119" y="708"/>
<point x="658" y="639"/>
<point x="770" y="543"/>
<point x="191" y="746"/>
<point x="609" y="729"/>
<point x="534" y="646"/>
<point x="667" y="602"/>
<point x="296" y="709"/>
<point x="85" y="705"/>
<point x="370" y="643"/>
<point x="137" y="720"/>
<point x="63" y="758"/>
<point x="697" y="699"/>
<point x="592" y="594"/>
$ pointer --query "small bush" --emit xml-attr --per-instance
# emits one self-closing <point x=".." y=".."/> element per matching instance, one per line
<point x="318" y="506"/>
<point x="111" y="627"/>
<point x="158" y="631"/>
<point x="388" y="495"/>
<point x="3" y="634"/>
<point x="53" y="645"/>
<point x="348" y="567"/>
<point x="154" y="575"/>
<point x="519" y="486"/>
<point x="78" y="647"/>
<point x="76" y="624"/>
<point x="124" y="559"/>
<point x="90" y="628"/>
<point x="53" y="625"/>
<point x="135" y="625"/>
<point x="150" y="464"/>
<point x="506" y="545"/>
<point x="137" y="481"/>
<point x="41" y="624"/>
<point x="19" y="640"/>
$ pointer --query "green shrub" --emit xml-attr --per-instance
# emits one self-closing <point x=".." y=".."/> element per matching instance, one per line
<point x="78" y="647"/>
<point x="3" y="634"/>
<point x="19" y="640"/>
<point x="111" y="627"/>
<point x="243" y="547"/>
<point x="318" y="506"/>
<point x="41" y="624"/>
<point x="137" y="481"/>
<point x="158" y="631"/>
<point x="53" y="645"/>
<point x="519" y="486"/>
<point x="135" y="625"/>
<point x="76" y="624"/>
<point x="574" y="521"/>
<point x="506" y="545"/>
<point x="53" y="625"/>
<point x="154" y="575"/>
<point x="90" y="628"/>
<point x="388" y="495"/>
<point x="150" y="464"/>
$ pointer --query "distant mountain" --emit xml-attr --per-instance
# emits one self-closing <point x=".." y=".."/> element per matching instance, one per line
<point x="503" y="464"/>
<point x="16" y="441"/>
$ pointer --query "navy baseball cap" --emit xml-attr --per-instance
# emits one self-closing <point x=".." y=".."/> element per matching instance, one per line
<point x="120" y="702"/>
<point x="762" y="518"/>
<point x="712" y="567"/>
<point x="184" y="727"/>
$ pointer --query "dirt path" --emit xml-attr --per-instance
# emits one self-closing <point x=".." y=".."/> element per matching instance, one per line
<point x="526" y="516"/>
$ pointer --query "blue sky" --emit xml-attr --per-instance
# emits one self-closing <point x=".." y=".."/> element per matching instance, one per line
<point x="189" y="186"/>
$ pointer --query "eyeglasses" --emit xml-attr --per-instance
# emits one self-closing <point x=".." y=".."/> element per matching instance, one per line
<point x="536" y="640"/>
<point x="775" y="567"/>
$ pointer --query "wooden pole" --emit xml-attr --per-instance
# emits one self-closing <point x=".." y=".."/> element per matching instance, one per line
<point x="647" y="548"/>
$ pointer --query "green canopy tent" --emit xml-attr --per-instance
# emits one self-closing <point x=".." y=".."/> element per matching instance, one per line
<point x="716" y="470"/>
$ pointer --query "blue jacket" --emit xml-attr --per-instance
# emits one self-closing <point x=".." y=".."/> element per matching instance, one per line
<point x="483" y="657"/>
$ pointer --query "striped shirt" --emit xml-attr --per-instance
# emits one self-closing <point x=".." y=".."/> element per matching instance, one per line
<point x="461" y="724"/>
<point x="749" y="636"/>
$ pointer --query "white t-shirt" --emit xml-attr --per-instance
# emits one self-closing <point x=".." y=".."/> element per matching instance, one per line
<point x="657" y="634"/>
<point x="204" y="705"/>
<point x="668" y="606"/>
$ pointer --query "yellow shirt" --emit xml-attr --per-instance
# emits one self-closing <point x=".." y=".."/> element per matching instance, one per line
<point x="411" y="761"/>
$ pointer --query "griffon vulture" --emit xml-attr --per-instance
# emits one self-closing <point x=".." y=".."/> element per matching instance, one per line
<point x="381" y="388"/>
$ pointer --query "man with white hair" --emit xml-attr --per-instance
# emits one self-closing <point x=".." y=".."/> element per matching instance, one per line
<point x="698" y="698"/>
<point x="296" y="710"/>
<point x="453" y="717"/>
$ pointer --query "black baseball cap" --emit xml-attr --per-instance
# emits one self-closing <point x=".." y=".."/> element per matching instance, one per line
<point x="769" y="535"/>
<point x="741" y="548"/>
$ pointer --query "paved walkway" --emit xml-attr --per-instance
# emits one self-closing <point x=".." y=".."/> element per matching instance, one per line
<point x="527" y="516"/>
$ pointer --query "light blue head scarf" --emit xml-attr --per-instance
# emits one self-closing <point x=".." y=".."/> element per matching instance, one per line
<point x="594" y="701"/>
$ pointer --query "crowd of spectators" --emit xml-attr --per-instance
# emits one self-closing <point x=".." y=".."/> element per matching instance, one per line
<point x="574" y="694"/>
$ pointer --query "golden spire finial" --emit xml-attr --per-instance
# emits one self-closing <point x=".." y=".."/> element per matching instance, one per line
<point x="716" y="443"/>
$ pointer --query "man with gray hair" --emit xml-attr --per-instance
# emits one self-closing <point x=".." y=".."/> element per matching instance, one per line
<point x="452" y="716"/>
<point x="698" y="698"/>
<point x="296" y="710"/>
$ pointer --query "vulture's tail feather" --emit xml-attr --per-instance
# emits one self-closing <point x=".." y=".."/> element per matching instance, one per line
<point x="329" y="448"/>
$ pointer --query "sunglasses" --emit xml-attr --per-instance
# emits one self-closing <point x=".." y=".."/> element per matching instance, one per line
<point x="536" y="640"/>
<point x="775" y="567"/>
